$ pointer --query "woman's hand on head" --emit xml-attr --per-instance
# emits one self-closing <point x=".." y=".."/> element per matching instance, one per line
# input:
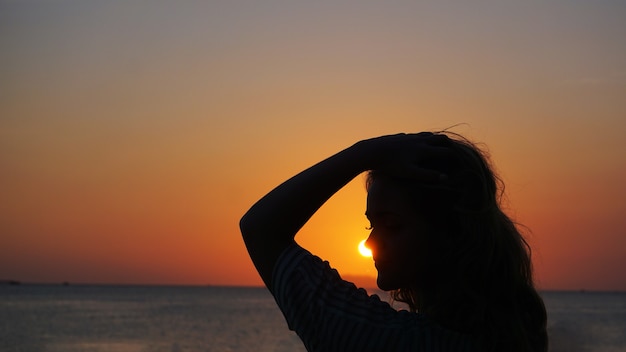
<point x="400" y="154"/>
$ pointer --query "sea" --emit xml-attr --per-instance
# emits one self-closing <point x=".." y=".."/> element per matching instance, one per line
<point x="92" y="318"/>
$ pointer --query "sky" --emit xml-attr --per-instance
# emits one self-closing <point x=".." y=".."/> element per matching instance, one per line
<point x="135" y="134"/>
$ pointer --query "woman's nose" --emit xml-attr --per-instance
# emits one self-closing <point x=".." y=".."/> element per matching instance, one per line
<point x="370" y="242"/>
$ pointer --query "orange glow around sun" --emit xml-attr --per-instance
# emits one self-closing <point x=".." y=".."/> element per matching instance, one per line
<point x="115" y="177"/>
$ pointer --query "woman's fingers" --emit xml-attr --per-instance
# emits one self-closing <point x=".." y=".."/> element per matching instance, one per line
<point x="406" y="155"/>
<point x="413" y="172"/>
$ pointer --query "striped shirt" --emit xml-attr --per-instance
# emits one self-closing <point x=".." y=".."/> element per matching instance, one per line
<point x="330" y="314"/>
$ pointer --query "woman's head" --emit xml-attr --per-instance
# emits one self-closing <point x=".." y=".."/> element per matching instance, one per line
<point x="459" y="258"/>
<point x="441" y="217"/>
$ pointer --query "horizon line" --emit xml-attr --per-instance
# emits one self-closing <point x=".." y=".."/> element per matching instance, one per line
<point x="208" y="285"/>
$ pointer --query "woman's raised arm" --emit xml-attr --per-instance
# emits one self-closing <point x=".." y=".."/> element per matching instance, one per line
<point x="272" y="223"/>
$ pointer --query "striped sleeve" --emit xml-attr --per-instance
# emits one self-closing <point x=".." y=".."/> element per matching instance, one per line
<point x="330" y="314"/>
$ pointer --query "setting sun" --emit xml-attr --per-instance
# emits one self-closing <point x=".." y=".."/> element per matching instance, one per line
<point x="366" y="252"/>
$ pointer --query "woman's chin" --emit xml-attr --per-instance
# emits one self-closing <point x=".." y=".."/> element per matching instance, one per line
<point x="385" y="285"/>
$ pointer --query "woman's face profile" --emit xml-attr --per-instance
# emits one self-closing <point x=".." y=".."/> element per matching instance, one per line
<point x="398" y="239"/>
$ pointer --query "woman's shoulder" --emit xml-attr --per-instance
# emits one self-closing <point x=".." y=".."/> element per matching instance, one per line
<point x="329" y="312"/>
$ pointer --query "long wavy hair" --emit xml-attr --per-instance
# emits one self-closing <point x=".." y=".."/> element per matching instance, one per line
<point x="483" y="263"/>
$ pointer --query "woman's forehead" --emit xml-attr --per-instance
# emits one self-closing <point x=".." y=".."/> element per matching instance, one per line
<point x="386" y="197"/>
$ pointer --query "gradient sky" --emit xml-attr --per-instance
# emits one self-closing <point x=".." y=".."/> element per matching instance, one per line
<point x="134" y="134"/>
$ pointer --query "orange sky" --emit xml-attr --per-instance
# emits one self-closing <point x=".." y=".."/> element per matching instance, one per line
<point x="133" y="136"/>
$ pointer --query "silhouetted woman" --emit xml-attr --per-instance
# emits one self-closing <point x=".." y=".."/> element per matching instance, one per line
<point x="440" y="242"/>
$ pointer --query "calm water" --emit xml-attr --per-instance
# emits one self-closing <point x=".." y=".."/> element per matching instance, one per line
<point x="129" y="319"/>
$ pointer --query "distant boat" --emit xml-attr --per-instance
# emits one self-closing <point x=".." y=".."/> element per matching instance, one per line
<point x="10" y="282"/>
